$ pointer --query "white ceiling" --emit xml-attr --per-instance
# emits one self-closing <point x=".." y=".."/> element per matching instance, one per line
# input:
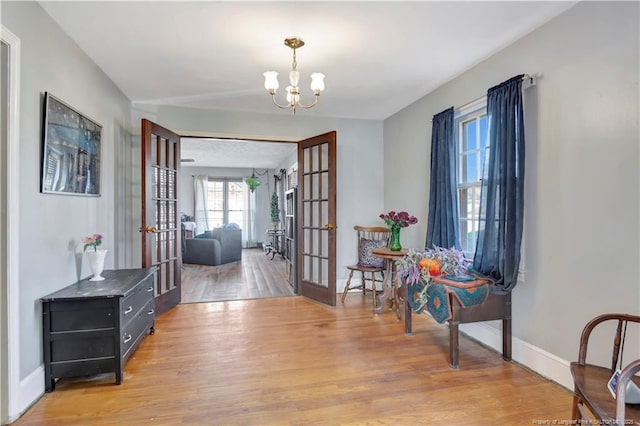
<point x="234" y="153"/>
<point x="378" y="57"/>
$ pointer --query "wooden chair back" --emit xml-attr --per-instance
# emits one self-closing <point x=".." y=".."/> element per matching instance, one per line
<point x="371" y="233"/>
<point x="590" y="381"/>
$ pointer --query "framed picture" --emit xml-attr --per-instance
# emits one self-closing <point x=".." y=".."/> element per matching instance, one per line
<point x="70" y="150"/>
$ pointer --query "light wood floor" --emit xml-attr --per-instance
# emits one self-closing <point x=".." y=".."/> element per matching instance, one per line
<point x="256" y="276"/>
<point x="291" y="361"/>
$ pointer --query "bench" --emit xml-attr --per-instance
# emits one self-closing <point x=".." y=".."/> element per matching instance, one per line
<point x="495" y="307"/>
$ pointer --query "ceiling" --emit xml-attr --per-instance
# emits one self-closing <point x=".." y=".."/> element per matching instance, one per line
<point x="378" y="57"/>
<point x="207" y="152"/>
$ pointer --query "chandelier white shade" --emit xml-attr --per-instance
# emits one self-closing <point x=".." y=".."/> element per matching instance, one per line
<point x="293" y="91"/>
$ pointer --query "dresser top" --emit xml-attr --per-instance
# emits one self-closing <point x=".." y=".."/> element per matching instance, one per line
<point x="117" y="283"/>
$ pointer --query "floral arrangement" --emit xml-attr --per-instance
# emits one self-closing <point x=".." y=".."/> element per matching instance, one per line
<point x="398" y="220"/>
<point x="423" y="265"/>
<point x="94" y="241"/>
<point x="417" y="267"/>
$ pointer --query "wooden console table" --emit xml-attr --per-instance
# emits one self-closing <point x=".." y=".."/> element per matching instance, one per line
<point x="496" y="307"/>
<point x="93" y="327"/>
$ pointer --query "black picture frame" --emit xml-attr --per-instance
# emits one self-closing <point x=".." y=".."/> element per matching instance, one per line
<point x="71" y="150"/>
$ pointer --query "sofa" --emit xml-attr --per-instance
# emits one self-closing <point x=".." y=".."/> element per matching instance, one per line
<point x="216" y="247"/>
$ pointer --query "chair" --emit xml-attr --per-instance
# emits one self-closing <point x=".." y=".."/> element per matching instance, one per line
<point x="368" y="238"/>
<point x="590" y="381"/>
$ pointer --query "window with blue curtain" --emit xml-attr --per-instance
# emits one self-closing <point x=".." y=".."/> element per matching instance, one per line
<point x="497" y="253"/>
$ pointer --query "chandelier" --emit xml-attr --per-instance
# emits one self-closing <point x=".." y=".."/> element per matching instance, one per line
<point x="293" y="91"/>
<point x="252" y="182"/>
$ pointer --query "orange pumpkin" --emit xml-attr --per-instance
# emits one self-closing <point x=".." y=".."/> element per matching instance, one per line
<point x="435" y="268"/>
<point x="425" y="262"/>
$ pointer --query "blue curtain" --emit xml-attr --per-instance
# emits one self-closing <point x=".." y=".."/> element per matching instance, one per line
<point x="502" y="195"/>
<point x="443" y="221"/>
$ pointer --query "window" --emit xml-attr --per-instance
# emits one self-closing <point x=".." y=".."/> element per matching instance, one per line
<point x="472" y="147"/>
<point x="225" y="201"/>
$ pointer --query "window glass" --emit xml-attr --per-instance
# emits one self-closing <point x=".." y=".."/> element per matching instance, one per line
<point x="225" y="201"/>
<point x="472" y="147"/>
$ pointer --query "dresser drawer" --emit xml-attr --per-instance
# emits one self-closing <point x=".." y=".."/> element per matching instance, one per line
<point x="137" y="328"/>
<point x="82" y="315"/>
<point x="134" y="302"/>
<point x="82" y="345"/>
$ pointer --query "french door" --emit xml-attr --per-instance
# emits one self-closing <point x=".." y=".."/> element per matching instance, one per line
<point x="317" y="212"/>
<point x="160" y="219"/>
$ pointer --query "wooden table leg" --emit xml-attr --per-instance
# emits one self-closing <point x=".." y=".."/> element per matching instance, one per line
<point x="396" y="295"/>
<point x="407" y="317"/>
<point x="453" y="344"/>
<point x="386" y="290"/>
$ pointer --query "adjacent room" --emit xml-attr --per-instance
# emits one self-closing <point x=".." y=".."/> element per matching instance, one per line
<point x="236" y="192"/>
<point x="265" y="213"/>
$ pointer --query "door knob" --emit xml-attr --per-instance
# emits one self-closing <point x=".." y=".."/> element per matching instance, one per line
<point x="329" y="226"/>
<point x="149" y="229"/>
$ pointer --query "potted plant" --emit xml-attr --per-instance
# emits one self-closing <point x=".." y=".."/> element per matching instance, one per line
<point x="275" y="210"/>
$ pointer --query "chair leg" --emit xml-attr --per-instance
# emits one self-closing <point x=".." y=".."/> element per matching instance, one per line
<point x="575" y="412"/>
<point x="346" y="287"/>
<point x="374" y="287"/>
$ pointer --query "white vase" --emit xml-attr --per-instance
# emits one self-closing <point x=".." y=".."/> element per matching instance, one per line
<point x="96" y="262"/>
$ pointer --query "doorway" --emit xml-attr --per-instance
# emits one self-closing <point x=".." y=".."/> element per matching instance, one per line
<point x="225" y="164"/>
<point x="9" y="224"/>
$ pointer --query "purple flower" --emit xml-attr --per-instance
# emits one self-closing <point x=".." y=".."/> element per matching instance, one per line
<point x="401" y="219"/>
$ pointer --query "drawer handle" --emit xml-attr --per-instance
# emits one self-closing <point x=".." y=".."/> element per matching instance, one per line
<point x="126" y="339"/>
<point x="150" y="289"/>
<point x="129" y="309"/>
<point x="151" y="312"/>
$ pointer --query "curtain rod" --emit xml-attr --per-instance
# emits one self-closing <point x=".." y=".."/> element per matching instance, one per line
<point x="528" y="79"/>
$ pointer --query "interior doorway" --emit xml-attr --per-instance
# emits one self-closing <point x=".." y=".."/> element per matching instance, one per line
<point x="225" y="164"/>
<point x="9" y="224"/>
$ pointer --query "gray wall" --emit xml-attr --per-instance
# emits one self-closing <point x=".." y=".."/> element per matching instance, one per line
<point x="52" y="226"/>
<point x="581" y="246"/>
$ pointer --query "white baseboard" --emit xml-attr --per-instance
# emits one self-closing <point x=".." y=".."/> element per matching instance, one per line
<point x="542" y="362"/>
<point x="31" y="389"/>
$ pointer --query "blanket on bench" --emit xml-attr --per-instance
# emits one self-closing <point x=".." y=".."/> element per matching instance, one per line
<point x="468" y="290"/>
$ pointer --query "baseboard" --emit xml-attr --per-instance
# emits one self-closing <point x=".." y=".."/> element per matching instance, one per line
<point x="542" y="362"/>
<point x="31" y="389"/>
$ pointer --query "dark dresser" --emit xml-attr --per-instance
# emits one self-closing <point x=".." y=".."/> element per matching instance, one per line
<point x="93" y="327"/>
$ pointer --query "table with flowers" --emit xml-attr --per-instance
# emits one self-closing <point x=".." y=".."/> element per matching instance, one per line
<point x="395" y="221"/>
<point x="389" y="282"/>
<point x="441" y="282"/>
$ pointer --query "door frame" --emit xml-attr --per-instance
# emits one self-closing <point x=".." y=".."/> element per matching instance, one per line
<point x="10" y="397"/>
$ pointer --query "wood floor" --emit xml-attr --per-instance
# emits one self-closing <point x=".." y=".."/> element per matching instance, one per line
<point x="256" y="276"/>
<point x="291" y="361"/>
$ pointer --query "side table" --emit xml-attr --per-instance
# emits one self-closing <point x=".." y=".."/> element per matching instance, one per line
<point x="389" y="282"/>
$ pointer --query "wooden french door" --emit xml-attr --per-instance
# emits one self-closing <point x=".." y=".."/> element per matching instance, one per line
<point x="160" y="219"/>
<point x="317" y="212"/>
